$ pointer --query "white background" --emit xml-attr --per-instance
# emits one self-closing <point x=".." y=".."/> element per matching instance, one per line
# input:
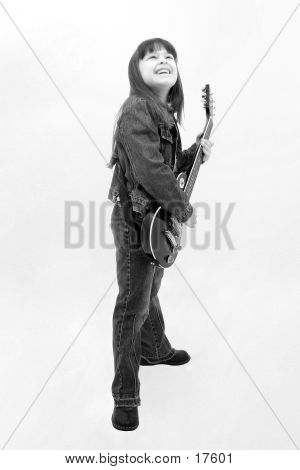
<point x="235" y="311"/>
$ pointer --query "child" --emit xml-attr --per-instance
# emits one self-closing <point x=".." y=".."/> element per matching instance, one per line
<point x="147" y="157"/>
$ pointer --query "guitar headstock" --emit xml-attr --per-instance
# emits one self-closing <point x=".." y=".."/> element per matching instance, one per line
<point x="208" y="101"/>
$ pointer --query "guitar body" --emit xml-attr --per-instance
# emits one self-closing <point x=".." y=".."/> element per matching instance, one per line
<point x="160" y="236"/>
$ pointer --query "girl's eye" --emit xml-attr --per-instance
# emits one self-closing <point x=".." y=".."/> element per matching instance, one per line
<point x="154" y="57"/>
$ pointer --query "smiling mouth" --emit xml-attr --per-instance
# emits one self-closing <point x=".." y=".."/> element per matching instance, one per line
<point x="163" y="72"/>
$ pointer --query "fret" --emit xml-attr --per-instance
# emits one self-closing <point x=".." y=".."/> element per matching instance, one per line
<point x="197" y="161"/>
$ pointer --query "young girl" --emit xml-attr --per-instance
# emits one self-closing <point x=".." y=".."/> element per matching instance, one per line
<point x="147" y="157"/>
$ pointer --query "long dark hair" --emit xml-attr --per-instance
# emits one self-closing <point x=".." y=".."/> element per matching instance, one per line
<point x="175" y="98"/>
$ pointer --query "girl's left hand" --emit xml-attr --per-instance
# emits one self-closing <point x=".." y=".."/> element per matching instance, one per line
<point x="206" y="146"/>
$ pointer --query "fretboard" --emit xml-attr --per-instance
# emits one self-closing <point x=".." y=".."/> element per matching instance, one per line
<point x="189" y="186"/>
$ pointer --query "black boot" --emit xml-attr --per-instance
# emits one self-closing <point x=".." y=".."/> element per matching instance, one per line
<point x="180" y="357"/>
<point x="125" y="418"/>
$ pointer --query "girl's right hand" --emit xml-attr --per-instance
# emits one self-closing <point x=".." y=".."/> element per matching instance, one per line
<point x="191" y="221"/>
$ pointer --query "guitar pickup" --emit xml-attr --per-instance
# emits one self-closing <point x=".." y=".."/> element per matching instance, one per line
<point x="171" y="238"/>
<point x="176" y="226"/>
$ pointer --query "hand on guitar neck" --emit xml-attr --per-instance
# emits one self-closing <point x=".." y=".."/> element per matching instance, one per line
<point x="206" y="146"/>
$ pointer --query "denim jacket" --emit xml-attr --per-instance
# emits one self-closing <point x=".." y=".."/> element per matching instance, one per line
<point x="149" y="157"/>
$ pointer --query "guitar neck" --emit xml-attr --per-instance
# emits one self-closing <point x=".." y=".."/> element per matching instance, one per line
<point x="189" y="186"/>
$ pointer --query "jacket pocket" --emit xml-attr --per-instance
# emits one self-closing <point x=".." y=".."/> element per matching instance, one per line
<point x="168" y="143"/>
<point x="165" y="133"/>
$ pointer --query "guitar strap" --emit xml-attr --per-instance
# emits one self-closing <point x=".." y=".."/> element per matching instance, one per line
<point x="124" y="198"/>
<point x="123" y="193"/>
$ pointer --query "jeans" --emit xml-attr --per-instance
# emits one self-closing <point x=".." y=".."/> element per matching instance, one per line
<point x="138" y="324"/>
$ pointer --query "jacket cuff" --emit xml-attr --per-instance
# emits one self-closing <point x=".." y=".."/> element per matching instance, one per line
<point x="186" y="214"/>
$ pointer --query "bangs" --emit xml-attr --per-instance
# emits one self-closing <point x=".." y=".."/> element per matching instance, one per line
<point x="151" y="45"/>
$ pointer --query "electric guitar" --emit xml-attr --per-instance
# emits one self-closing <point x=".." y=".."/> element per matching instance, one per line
<point x="161" y="232"/>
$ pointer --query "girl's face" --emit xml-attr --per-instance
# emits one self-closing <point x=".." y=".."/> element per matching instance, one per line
<point x="159" y="71"/>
